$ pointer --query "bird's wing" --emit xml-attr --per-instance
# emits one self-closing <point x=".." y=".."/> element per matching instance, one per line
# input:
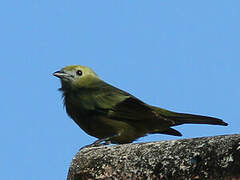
<point x="121" y="105"/>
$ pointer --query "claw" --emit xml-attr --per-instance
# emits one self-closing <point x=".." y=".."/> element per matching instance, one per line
<point x="100" y="142"/>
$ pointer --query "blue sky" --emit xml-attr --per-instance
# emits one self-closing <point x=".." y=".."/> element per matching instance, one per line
<point x="180" y="55"/>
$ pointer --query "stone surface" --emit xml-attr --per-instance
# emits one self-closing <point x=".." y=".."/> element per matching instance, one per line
<point x="199" y="158"/>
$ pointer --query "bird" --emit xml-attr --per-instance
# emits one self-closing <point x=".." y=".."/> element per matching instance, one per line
<point x="114" y="116"/>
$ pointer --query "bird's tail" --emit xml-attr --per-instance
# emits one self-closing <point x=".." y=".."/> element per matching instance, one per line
<point x="183" y="118"/>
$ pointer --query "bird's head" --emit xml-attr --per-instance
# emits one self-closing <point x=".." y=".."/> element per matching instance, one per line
<point x="76" y="76"/>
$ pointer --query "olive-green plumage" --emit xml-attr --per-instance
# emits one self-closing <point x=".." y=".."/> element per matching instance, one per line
<point x="108" y="113"/>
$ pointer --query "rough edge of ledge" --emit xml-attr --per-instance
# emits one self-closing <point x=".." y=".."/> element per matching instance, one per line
<point x="216" y="157"/>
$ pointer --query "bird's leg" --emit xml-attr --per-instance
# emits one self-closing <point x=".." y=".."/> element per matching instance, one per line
<point x="95" y="144"/>
<point x="99" y="142"/>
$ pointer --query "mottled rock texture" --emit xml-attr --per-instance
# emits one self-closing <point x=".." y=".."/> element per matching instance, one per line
<point x="199" y="158"/>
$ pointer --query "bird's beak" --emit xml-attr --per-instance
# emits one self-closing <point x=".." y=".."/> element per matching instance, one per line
<point x="60" y="74"/>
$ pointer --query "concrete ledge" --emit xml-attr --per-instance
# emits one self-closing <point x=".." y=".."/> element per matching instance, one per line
<point x="215" y="157"/>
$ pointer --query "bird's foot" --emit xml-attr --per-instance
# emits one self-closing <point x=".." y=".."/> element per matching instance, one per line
<point x="100" y="142"/>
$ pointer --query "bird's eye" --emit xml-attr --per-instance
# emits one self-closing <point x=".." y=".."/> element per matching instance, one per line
<point x="79" y="72"/>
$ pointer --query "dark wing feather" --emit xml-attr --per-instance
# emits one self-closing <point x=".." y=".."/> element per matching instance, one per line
<point x="121" y="105"/>
<point x="132" y="109"/>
